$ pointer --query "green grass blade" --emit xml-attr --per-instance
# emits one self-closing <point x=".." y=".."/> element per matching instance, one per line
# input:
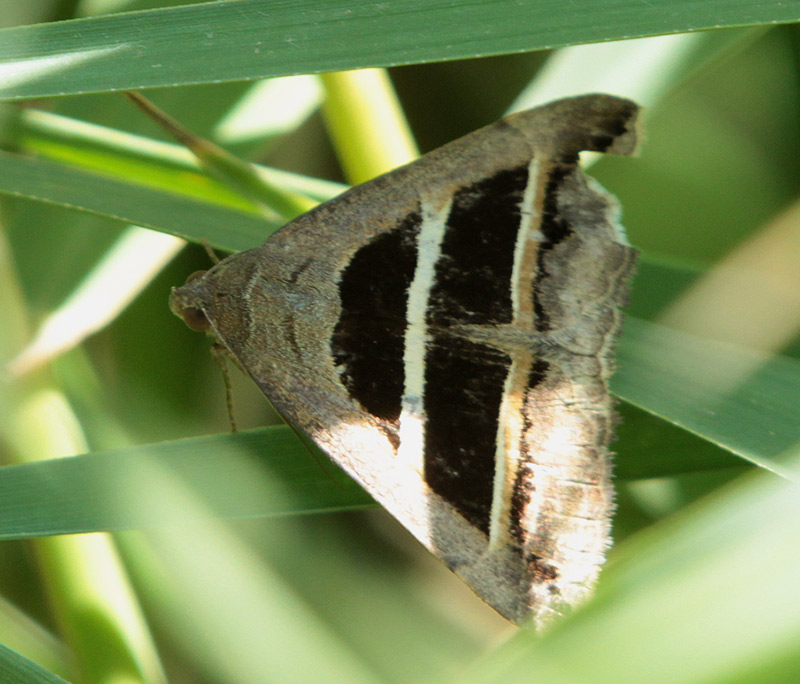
<point x="148" y="161"/>
<point x="254" y="473"/>
<point x="643" y="70"/>
<point x="270" y="109"/>
<point x="248" y="39"/>
<point x="240" y="619"/>
<point x="366" y="123"/>
<point x="126" y="269"/>
<point x="715" y="593"/>
<point x="16" y="668"/>
<point x="69" y="187"/>
<point x="23" y="634"/>
<point x="264" y="472"/>
<point x="685" y="379"/>
<point x="236" y="173"/>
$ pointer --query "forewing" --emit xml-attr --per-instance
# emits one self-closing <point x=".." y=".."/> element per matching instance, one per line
<point x="444" y="333"/>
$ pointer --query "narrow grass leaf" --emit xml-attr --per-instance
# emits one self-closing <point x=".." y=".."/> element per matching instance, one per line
<point x="715" y="592"/>
<point x="252" y="473"/>
<point x="146" y="161"/>
<point x="126" y="269"/>
<point x="249" y="39"/>
<point x="685" y="379"/>
<point x="16" y="668"/>
<point x="59" y="184"/>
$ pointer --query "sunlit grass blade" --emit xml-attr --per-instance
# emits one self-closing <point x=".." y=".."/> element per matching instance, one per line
<point x="229" y="169"/>
<point x="83" y="573"/>
<point x="686" y="380"/>
<point x="271" y="108"/>
<point x="760" y="277"/>
<point x="231" y="610"/>
<point x="145" y="161"/>
<point x="136" y="256"/>
<point x="122" y="274"/>
<point x="366" y="124"/>
<point x="643" y="69"/>
<point x="181" y="216"/>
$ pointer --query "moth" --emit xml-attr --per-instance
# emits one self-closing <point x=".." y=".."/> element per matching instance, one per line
<point x="445" y="334"/>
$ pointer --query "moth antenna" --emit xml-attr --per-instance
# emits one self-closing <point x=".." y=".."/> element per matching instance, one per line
<point x="210" y="251"/>
<point x="164" y="120"/>
<point x="220" y="356"/>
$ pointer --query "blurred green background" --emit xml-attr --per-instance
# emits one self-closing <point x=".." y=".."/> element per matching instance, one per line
<point x="348" y="596"/>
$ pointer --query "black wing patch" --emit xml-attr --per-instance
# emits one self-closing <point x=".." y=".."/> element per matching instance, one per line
<point x="367" y="342"/>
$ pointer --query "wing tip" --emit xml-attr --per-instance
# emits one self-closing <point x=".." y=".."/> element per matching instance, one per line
<point x="595" y="122"/>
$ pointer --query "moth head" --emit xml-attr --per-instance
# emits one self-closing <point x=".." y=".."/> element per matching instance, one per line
<point x="212" y="302"/>
<point x="185" y="304"/>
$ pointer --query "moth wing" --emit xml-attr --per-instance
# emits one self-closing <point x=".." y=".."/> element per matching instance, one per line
<point x="390" y="324"/>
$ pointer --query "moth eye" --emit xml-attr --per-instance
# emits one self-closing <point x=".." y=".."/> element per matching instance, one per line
<point x="195" y="276"/>
<point x="195" y="319"/>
